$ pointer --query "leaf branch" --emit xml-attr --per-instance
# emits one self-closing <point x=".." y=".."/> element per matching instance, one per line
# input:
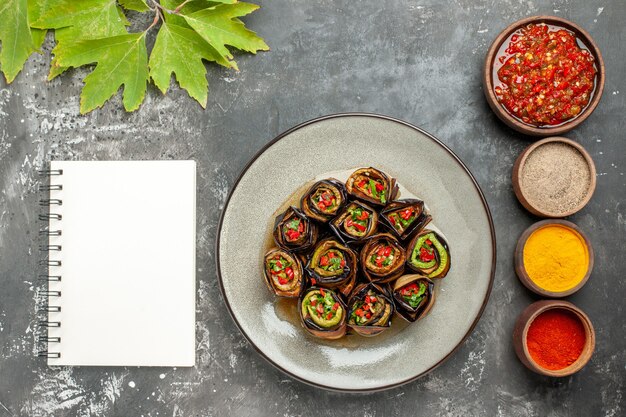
<point x="96" y="32"/>
<point x="157" y="16"/>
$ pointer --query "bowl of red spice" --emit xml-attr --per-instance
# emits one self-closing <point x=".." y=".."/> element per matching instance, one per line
<point x="554" y="338"/>
<point x="543" y="75"/>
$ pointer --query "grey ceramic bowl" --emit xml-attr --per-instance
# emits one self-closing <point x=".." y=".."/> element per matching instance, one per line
<point x="423" y="165"/>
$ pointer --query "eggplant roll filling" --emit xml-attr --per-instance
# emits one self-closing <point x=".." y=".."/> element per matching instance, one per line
<point x="332" y="264"/>
<point x="406" y="217"/>
<point x="373" y="309"/>
<point x="323" y="313"/>
<point x="382" y="258"/>
<point x="294" y="231"/>
<point x="324" y="200"/>
<point x="429" y="255"/>
<point x="355" y="223"/>
<point x="371" y="185"/>
<point x="413" y="296"/>
<point x="322" y="308"/>
<point x="283" y="272"/>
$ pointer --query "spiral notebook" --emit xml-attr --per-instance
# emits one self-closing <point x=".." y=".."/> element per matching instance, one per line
<point x="121" y="263"/>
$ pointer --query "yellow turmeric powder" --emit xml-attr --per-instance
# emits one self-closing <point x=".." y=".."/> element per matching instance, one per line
<point x="556" y="258"/>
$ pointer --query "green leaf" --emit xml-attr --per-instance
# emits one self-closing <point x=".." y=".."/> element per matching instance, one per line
<point x="194" y="5"/>
<point x="39" y="35"/>
<point x="94" y="32"/>
<point x="137" y="5"/>
<point x="35" y="9"/>
<point x="188" y="8"/>
<point x="15" y="36"/>
<point x="219" y="26"/>
<point x="121" y="60"/>
<point x="180" y="51"/>
<point x="74" y="20"/>
<point x="86" y="16"/>
<point x="175" y="18"/>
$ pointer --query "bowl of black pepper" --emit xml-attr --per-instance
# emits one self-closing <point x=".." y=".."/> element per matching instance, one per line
<point x="554" y="177"/>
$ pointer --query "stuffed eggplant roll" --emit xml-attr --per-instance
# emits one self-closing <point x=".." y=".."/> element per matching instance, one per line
<point x="323" y="314"/>
<point x="414" y="296"/>
<point x="405" y="217"/>
<point x="429" y="255"/>
<point x="333" y="265"/>
<point x="382" y="258"/>
<point x="356" y="222"/>
<point x="294" y="231"/>
<point x="324" y="200"/>
<point x="283" y="273"/>
<point x="371" y="309"/>
<point x="372" y="186"/>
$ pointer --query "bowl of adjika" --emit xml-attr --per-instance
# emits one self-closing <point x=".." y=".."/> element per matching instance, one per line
<point x="543" y="75"/>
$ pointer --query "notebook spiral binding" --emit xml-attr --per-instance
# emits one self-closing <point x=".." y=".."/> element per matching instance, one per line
<point x="46" y="263"/>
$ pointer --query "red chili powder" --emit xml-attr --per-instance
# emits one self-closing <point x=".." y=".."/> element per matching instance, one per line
<point x="556" y="339"/>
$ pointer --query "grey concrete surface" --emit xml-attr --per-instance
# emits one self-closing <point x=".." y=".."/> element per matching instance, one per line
<point x="415" y="60"/>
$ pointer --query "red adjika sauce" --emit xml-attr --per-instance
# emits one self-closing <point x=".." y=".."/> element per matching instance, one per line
<point x="544" y="77"/>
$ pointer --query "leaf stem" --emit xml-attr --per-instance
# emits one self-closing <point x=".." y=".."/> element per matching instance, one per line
<point x="160" y="6"/>
<point x="180" y="6"/>
<point x="157" y="17"/>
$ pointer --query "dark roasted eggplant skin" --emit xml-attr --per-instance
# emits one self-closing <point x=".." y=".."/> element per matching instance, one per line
<point x="379" y="323"/>
<point x="421" y="219"/>
<point x="330" y="333"/>
<point x="338" y="224"/>
<point x="441" y="252"/>
<point x="295" y="287"/>
<point x="405" y="310"/>
<point x="307" y="238"/>
<point x="389" y="186"/>
<point x="344" y="281"/>
<point x="382" y="274"/>
<point x="311" y="209"/>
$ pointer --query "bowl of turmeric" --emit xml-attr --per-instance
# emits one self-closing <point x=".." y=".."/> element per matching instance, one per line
<point x="553" y="258"/>
<point x="554" y="338"/>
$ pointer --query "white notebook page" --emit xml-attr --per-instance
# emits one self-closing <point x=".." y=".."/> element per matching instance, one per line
<point x="128" y="263"/>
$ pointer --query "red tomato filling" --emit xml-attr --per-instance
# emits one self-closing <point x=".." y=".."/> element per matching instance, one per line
<point x="545" y="77"/>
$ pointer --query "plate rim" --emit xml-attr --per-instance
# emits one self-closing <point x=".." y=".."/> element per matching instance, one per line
<point x="374" y="116"/>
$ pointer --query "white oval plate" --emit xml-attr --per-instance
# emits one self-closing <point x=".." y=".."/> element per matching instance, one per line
<point x="423" y="165"/>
